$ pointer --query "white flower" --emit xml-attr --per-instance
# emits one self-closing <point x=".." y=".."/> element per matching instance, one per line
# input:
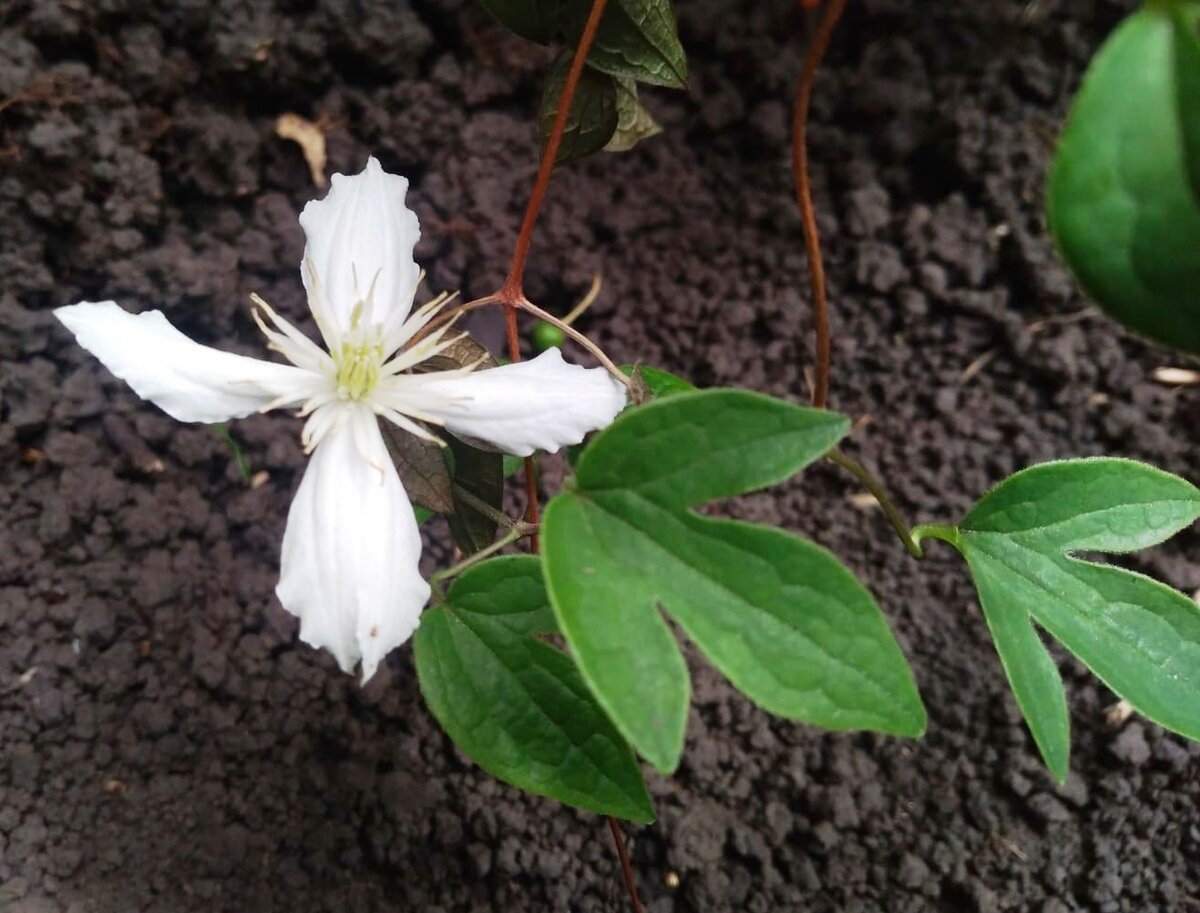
<point x="350" y="553"/>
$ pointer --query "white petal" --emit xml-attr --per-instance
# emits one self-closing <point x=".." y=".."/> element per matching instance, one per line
<point x="543" y="404"/>
<point x="361" y="236"/>
<point x="188" y="381"/>
<point x="351" y="549"/>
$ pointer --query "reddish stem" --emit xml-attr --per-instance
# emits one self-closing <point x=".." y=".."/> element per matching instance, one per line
<point x="626" y="869"/>
<point x="512" y="289"/>
<point x="512" y="293"/>
<point x="812" y="240"/>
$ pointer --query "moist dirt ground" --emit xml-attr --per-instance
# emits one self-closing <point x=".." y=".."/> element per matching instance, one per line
<point x="167" y="744"/>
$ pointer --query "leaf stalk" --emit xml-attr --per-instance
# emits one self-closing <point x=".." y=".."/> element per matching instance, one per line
<point x="873" y="485"/>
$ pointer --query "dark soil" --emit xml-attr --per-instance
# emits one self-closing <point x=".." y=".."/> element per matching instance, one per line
<point x="166" y="743"/>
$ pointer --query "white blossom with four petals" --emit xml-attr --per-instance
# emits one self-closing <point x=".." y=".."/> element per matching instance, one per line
<point x="351" y="547"/>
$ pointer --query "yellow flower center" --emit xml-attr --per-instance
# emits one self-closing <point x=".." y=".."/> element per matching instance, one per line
<point x="358" y="369"/>
<point x="360" y="356"/>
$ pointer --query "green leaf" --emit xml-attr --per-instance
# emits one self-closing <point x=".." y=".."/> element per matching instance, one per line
<point x="636" y="38"/>
<point x="510" y="591"/>
<point x="239" y="457"/>
<point x="634" y="122"/>
<point x="1140" y="637"/>
<point x="1030" y="668"/>
<point x="1187" y="83"/>
<point x="1123" y="199"/>
<point x="516" y="705"/>
<point x="592" y="119"/>
<point x="778" y="615"/>
<point x="1102" y="504"/>
<point x="658" y="382"/>
<point x="537" y="20"/>
<point x="695" y="447"/>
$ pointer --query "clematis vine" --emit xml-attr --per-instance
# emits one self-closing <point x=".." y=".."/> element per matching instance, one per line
<point x="351" y="546"/>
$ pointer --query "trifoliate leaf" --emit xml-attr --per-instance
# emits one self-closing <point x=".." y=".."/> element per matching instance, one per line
<point x="515" y="705"/>
<point x="778" y="615"/>
<point x="1139" y="636"/>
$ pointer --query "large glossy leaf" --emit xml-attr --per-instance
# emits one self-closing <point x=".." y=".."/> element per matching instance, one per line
<point x="1187" y="85"/>
<point x="593" y="117"/>
<point x="778" y="615"/>
<point x="517" y="705"/>
<point x="636" y="38"/>
<point x="1123" y="200"/>
<point x="1140" y="637"/>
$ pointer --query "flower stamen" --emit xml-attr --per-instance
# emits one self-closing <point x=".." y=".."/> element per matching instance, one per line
<point x="358" y="370"/>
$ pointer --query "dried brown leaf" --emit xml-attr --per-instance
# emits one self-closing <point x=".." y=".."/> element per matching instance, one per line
<point x="310" y="137"/>
<point x="422" y="468"/>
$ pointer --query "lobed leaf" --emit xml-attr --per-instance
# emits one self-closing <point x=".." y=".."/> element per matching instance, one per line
<point x="779" y="616"/>
<point x="1140" y="637"/>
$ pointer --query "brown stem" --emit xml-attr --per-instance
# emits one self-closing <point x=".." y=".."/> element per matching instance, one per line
<point x="812" y="241"/>
<point x="531" y="504"/>
<point x="626" y="869"/>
